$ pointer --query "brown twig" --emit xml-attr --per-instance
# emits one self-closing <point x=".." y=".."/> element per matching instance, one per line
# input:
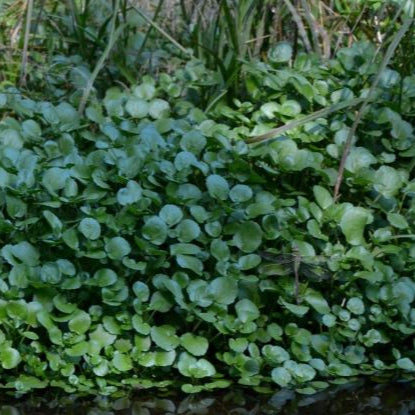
<point x="23" y="75"/>
<point x="388" y="56"/>
<point x="297" y="123"/>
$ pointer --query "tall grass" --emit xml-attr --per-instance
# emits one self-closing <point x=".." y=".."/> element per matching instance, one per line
<point x="223" y="34"/>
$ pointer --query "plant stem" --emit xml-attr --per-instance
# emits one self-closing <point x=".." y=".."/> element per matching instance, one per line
<point x="29" y="6"/>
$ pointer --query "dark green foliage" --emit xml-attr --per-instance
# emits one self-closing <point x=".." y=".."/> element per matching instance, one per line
<point x="131" y="235"/>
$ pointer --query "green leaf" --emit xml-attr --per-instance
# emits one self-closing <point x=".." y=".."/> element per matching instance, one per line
<point x="248" y="238"/>
<point x="141" y="291"/>
<point x="275" y="354"/>
<point x="105" y="277"/>
<point x="155" y="230"/>
<point x="187" y="230"/>
<point x="329" y="320"/>
<point x="238" y="345"/>
<point x="406" y="364"/>
<point x="23" y="252"/>
<point x="317" y="301"/>
<point x="158" y="108"/>
<point x="355" y="305"/>
<point x="117" y="248"/>
<point x="171" y="214"/>
<point x="196" y="345"/>
<point x="184" y="249"/>
<point x="71" y="239"/>
<point x="193" y="141"/>
<point x="54" y="222"/>
<point x="281" y="376"/>
<point x="220" y="250"/>
<point x="217" y="186"/>
<point x="146" y="91"/>
<point x="90" y="228"/>
<point x="388" y="181"/>
<point x="240" y="193"/>
<point x="80" y="323"/>
<point x="304" y="373"/>
<point x="250" y="261"/>
<point x="122" y="362"/>
<point x="223" y="290"/>
<point x="9" y="357"/>
<point x="281" y="52"/>
<point x="359" y="158"/>
<point x="298" y="310"/>
<point x="190" y="262"/>
<point x="195" y="368"/>
<point x="137" y="107"/>
<point x="165" y="337"/>
<point x="323" y="197"/>
<point x="246" y="310"/>
<point x="290" y="108"/>
<point x="130" y="194"/>
<point x="398" y="221"/>
<point x="353" y="222"/>
<point x="101" y="337"/>
<point x="54" y="179"/>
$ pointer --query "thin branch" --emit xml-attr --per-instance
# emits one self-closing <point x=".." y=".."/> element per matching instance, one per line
<point x="304" y="120"/>
<point x="113" y="37"/>
<point x="388" y="56"/>
<point x="23" y="74"/>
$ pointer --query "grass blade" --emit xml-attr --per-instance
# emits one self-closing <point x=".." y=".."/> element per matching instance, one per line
<point x="115" y="33"/>
<point x="297" y="123"/>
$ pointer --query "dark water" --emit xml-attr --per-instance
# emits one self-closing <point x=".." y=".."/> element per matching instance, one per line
<point x="359" y="398"/>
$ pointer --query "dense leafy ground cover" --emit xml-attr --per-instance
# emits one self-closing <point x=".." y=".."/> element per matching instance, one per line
<point x="131" y="232"/>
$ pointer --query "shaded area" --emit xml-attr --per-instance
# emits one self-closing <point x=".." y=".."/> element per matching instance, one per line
<point x="358" y="398"/>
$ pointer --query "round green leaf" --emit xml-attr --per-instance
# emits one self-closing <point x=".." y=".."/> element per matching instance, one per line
<point x="9" y="357"/>
<point x="281" y="376"/>
<point x="165" y="337"/>
<point x="105" y="277"/>
<point x="355" y="305"/>
<point x="193" y="141"/>
<point x="117" y="248"/>
<point x="275" y="354"/>
<point x="281" y="52"/>
<point x="246" y="310"/>
<point x="158" y="108"/>
<point x="187" y="230"/>
<point x="171" y="214"/>
<point x="90" y="228"/>
<point x="195" y="368"/>
<point x="240" y="193"/>
<point x="137" y="107"/>
<point x="122" y="362"/>
<point x="155" y="230"/>
<point x="248" y="238"/>
<point x="217" y="187"/>
<point x="196" y="345"/>
<point x="129" y="194"/>
<point x="224" y="290"/>
<point x="141" y="291"/>
<point x="353" y="223"/>
<point x="80" y="323"/>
